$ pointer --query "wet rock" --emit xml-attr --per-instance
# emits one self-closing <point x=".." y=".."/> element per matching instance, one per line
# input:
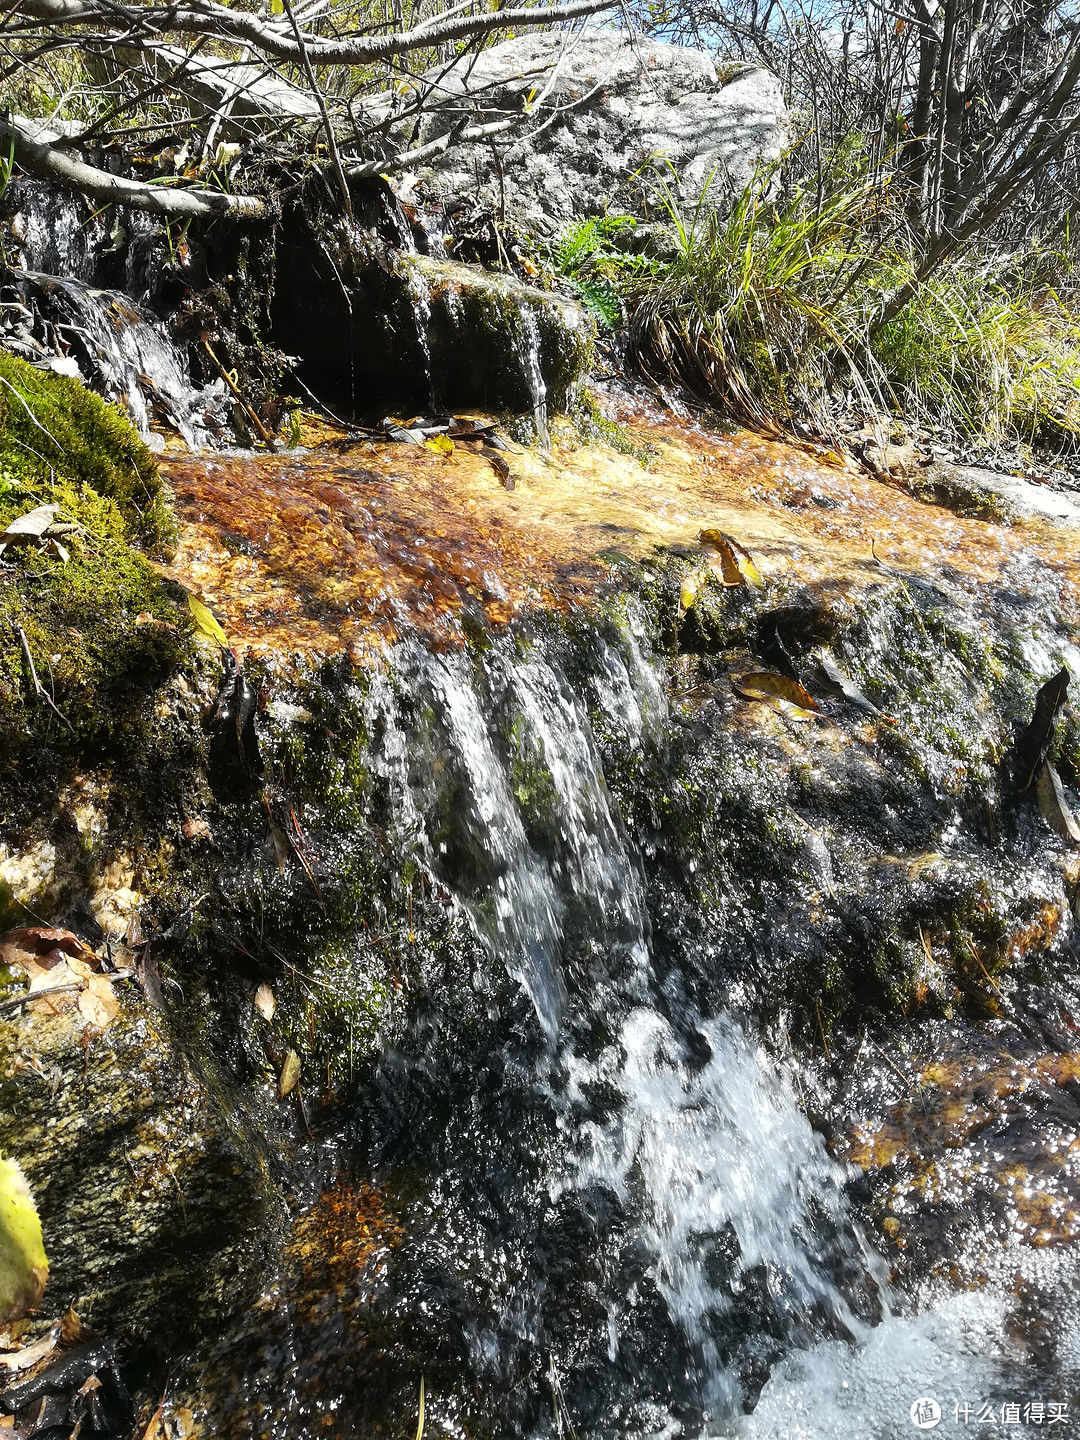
<point x="616" y="104"/>
<point x="156" y="1204"/>
<point x="377" y="327"/>
<point x="969" y="1150"/>
<point x="988" y="495"/>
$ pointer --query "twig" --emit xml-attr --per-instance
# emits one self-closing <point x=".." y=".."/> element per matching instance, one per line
<point x="331" y="138"/>
<point x="896" y="1071"/>
<point x="29" y="995"/>
<point x="260" y="429"/>
<point x="821" y="1029"/>
<point x="39" y="689"/>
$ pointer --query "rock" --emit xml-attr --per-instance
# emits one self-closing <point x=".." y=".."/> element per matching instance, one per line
<point x="617" y="105"/>
<point x="496" y="342"/>
<point x="986" y="494"/>
<point x="154" y="1203"/>
<point x="379" y="329"/>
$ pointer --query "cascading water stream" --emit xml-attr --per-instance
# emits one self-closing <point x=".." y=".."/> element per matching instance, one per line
<point x="632" y="1202"/>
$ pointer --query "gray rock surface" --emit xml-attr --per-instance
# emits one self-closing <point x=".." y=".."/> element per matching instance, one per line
<point x="609" y="111"/>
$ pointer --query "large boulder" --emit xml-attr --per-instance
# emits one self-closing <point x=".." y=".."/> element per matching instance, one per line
<point x="608" y="111"/>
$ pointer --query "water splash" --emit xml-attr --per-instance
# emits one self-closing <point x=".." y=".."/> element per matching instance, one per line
<point x="126" y="352"/>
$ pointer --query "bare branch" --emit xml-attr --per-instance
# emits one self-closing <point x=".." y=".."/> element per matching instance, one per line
<point x="456" y="136"/>
<point x="36" y="154"/>
<point x="208" y="18"/>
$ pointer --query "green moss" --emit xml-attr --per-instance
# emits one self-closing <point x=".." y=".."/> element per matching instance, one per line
<point x="52" y="428"/>
<point x="591" y="424"/>
<point x="102" y="629"/>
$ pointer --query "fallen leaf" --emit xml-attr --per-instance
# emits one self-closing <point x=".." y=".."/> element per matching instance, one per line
<point x="440" y="444"/>
<point x="29" y="1355"/>
<point x="98" y="1003"/>
<point x="89" y="1385"/>
<point x="72" y="1329"/>
<point x="835" y="679"/>
<point x="41" y="947"/>
<point x="29" y="527"/>
<point x="786" y="697"/>
<point x="181" y="1423"/>
<point x="195" y="830"/>
<point x="154" y="1428"/>
<point x="290" y="1074"/>
<point x="499" y="465"/>
<point x="265" y="1002"/>
<point x="206" y="622"/>
<point x="1054" y="806"/>
<point x="145" y="618"/>
<point x="729" y="560"/>
<point x="23" y="1266"/>
<point x="1033" y="744"/>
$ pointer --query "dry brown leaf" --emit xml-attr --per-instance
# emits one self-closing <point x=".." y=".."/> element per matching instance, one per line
<point x="16" y="1360"/>
<point x="264" y="1002"/>
<point x="41" y="946"/>
<point x="72" y="1329"/>
<point x="1054" y="806"/>
<point x="29" y="527"/>
<point x="145" y="618"/>
<point x="729" y="560"/>
<point x="786" y="697"/>
<point x="154" y="1429"/>
<point x="181" y="1423"/>
<point x="195" y="830"/>
<point x="290" y="1074"/>
<point x="98" y="1003"/>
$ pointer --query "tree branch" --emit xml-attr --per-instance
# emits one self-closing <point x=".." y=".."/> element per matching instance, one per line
<point x="36" y="154"/>
<point x="367" y="168"/>
<point x="208" y="18"/>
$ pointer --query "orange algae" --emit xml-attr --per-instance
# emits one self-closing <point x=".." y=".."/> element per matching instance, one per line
<point x="325" y="550"/>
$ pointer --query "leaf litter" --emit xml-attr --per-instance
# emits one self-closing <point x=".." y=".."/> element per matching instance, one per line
<point x="63" y="972"/>
<point x="786" y="697"/>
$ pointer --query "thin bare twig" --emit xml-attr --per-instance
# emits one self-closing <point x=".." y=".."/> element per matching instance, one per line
<point x="39" y="689"/>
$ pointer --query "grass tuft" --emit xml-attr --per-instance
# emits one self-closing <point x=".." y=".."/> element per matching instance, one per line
<point x="770" y="313"/>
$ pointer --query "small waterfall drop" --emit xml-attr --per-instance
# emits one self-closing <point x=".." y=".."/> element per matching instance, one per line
<point x="660" y="1149"/>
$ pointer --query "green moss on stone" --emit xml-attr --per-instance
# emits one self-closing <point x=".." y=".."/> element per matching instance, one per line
<point x="102" y="628"/>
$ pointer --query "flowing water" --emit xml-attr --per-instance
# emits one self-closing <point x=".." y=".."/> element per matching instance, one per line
<point x="613" y="1213"/>
<point x="618" y="1217"/>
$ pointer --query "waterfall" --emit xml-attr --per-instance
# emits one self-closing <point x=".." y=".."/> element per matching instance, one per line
<point x="631" y="1203"/>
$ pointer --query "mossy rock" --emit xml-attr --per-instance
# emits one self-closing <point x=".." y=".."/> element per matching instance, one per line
<point x="102" y="628"/>
<point x="53" y="428"/>
<point x="156" y="1201"/>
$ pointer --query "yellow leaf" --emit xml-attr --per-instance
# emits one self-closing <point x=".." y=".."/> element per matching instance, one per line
<point x="441" y="444"/>
<point x="290" y="1074"/>
<point x="23" y="1266"/>
<point x="206" y="621"/>
<point x="276" y="7"/>
<point x="729" y="560"/>
<point x="786" y="697"/>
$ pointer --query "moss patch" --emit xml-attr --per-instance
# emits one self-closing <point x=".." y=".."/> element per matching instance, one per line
<point x="103" y="629"/>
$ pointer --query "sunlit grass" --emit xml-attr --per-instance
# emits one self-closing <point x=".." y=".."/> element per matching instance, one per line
<point x="770" y="312"/>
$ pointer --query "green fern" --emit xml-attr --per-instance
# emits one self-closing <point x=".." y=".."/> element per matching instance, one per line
<point x="586" y="254"/>
<point x="602" y="299"/>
